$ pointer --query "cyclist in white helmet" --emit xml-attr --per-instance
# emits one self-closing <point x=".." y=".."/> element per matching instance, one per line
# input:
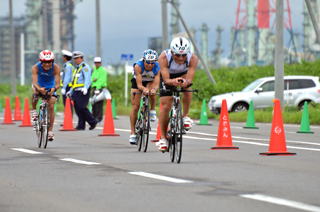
<point x="176" y="64"/>
<point x="45" y="80"/>
<point x="146" y="78"/>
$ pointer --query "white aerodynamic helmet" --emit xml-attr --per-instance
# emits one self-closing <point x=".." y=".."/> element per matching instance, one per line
<point x="46" y="55"/>
<point x="150" y="55"/>
<point x="180" y="45"/>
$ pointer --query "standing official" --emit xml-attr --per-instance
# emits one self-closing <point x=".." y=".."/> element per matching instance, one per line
<point x="66" y="76"/>
<point x="99" y="81"/>
<point x="80" y="92"/>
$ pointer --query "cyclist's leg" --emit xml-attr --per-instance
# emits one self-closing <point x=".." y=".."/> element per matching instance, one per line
<point x="152" y="99"/>
<point x="186" y="100"/>
<point x="51" y="103"/>
<point x="34" y="102"/>
<point x="135" y="108"/>
<point x="166" y="102"/>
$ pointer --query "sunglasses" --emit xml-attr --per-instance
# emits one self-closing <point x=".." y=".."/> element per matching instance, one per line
<point x="180" y="55"/>
<point x="152" y="63"/>
<point x="47" y="62"/>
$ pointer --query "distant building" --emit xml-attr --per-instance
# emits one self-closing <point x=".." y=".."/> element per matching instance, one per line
<point x="60" y="34"/>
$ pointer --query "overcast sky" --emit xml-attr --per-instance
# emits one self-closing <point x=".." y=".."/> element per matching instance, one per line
<point x="126" y="25"/>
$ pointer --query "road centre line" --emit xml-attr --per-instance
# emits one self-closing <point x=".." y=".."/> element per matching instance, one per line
<point x="284" y="202"/>
<point x="27" y="151"/>
<point x="79" y="161"/>
<point x="160" y="177"/>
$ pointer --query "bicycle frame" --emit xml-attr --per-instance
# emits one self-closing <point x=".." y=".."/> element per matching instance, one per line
<point x="142" y="125"/>
<point x="176" y="129"/>
<point x="43" y="121"/>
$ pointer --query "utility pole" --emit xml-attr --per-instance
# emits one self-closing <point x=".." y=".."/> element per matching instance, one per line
<point x="194" y="44"/>
<point x="279" y="63"/>
<point x="164" y="25"/>
<point x="313" y="19"/>
<point x="98" y="35"/>
<point x="44" y="24"/>
<point x="13" y="52"/>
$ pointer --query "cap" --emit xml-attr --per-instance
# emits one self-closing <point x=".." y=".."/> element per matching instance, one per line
<point x="66" y="53"/>
<point x="77" y="54"/>
<point x="97" y="60"/>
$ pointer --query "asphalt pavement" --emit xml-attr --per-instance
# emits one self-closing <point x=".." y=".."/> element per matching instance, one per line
<point x="80" y="171"/>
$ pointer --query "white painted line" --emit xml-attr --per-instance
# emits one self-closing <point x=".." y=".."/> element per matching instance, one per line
<point x="292" y="147"/>
<point x="79" y="161"/>
<point x="160" y="177"/>
<point x="284" y="202"/>
<point x="27" y="151"/>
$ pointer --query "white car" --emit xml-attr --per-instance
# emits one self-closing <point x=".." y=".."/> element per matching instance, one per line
<point x="261" y="92"/>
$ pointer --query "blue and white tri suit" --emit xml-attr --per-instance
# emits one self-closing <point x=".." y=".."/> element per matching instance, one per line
<point x="147" y="76"/>
<point x="46" y="79"/>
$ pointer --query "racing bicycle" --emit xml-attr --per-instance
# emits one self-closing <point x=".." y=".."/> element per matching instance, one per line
<point x="43" y="119"/>
<point x="142" y="126"/>
<point x="176" y="129"/>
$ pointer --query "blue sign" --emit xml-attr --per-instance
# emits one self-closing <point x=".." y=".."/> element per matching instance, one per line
<point x="127" y="57"/>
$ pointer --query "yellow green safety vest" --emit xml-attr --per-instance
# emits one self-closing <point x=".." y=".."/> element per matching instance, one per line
<point x="73" y="71"/>
<point x="75" y="79"/>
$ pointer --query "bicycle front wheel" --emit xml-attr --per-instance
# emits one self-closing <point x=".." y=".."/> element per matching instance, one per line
<point x="139" y="131"/>
<point x="172" y="147"/>
<point x="178" y="135"/>
<point x="146" y="128"/>
<point x="45" y="126"/>
<point x="38" y="126"/>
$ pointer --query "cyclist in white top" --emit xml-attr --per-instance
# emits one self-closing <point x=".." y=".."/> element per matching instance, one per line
<point x="176" y="64"/>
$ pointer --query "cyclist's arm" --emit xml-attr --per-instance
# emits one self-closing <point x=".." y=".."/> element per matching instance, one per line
<point x="56" y="73"/>
<point x="191" y="71"/>
<point x="35" y="72"/>
<point x="163" y="63"/>
<point x="137" y="71"/>
<point x="156" y="82"/>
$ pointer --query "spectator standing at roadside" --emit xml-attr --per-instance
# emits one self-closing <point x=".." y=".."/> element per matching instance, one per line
<point x="66" y="76"/>
<point x="80" y="92"/>
<point x="98" y="82"/>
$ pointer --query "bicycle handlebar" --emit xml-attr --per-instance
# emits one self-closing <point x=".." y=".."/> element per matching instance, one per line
<point x="134" y="94"/>
<point x="45" y="97"/>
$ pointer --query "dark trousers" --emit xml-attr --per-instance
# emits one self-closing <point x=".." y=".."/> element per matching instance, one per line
<point x="80" y="106"/>
<point x="97" y="108"/>
<point x="64" y="100"/>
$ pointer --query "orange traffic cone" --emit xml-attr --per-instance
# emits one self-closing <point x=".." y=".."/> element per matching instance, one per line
<point x="67" y="121"/>
<point x="277" y="145"/>
<point x="17" y="110"/>
<point x="26" y="115"/>
<point x="224" y="140"/>
<point x="108" y="127"/>
<point x="7" y="114"/>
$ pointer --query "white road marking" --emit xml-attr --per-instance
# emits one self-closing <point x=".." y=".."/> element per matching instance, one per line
<point x="284" y="202"/>
<point x="79" y="161"/>
<point x="160" y="177"/>
<point x="27" y="151"/>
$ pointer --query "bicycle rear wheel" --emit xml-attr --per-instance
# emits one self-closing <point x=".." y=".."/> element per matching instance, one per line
<point x="171" y="147"/>
<point x="146" y="126"/>
<point x="45" y="126"/>
<point x="178" y="135"/>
